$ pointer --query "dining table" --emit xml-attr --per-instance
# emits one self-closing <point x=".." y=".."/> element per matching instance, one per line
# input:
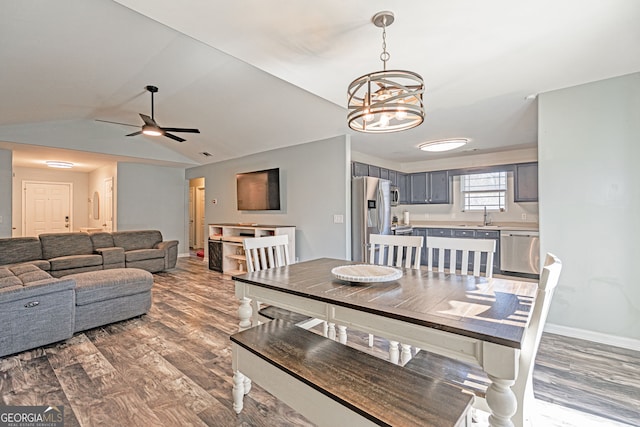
<point x="474" y="319"/>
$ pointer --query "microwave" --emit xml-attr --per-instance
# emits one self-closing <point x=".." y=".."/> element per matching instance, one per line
<point x="395" y="196"/>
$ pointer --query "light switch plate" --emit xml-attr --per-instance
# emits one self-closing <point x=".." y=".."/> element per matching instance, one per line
<point x="338" y="219"/>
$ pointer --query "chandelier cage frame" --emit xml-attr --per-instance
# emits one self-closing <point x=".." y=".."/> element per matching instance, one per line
<point x="396" y="105"/>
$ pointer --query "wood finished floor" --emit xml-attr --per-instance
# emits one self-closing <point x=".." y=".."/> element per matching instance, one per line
<point x="172" y="367"/>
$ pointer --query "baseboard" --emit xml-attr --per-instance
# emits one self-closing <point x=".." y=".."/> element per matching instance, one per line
<point x="182" y="255"/>
<point x="599" y="337"/>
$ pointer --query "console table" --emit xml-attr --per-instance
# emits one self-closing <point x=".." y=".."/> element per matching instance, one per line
<point x="230" y="237"/>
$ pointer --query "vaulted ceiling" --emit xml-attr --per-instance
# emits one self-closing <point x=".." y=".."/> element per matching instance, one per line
<point x="257" y="75"/>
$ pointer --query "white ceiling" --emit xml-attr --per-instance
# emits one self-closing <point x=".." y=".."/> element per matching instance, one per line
<point x="257" y="75"/>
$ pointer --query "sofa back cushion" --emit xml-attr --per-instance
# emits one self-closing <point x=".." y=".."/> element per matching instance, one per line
<point x="55" y="245"/>
<point x="101" y="240"/>
<point x="14" y="250"/>
<point x="134" y="240"/>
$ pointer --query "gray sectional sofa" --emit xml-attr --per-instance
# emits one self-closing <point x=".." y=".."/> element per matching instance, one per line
<point x="62" y="283"/>
<point x="61" y="254"/>
<point x="38" y="309"/>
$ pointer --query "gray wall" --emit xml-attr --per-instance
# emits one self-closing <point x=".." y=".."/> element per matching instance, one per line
<point x="5" y="192"/>
<point x="315" y="185"/>
<point x="589" y="151"/>
<point x="152" y="197"/>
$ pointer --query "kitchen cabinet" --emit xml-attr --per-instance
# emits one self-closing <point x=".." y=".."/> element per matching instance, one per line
<point x="384" y="173"/>
<point x="525" y="180"/>
<point x="360" y="169"/>
<point x="403" y="188"/>
<point x="231" y="236"/>
<point x="430" y="188"/>
<point x="374" y="171"/>
<point x="393" y="177"/>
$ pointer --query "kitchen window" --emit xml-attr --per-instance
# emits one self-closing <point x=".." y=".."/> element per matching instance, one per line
<point x="484" y="189"/>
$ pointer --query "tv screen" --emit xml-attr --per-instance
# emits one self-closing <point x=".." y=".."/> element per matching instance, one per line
<point x="259" y="190"/>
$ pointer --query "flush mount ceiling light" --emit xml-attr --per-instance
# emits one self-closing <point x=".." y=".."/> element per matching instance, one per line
<point x="443" y="144"/>
<point x="58" y="164"/>
<point x="385" y="101"/>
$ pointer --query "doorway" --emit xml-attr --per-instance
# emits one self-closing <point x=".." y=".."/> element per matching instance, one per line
<point x="46" y="207"/>
<point x="196" y="214"/>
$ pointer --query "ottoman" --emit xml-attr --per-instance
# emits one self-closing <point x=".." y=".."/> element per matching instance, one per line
<point x="108" y="296"/>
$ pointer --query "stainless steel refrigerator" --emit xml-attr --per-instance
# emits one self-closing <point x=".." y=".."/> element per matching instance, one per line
<point x="370" y="213"/>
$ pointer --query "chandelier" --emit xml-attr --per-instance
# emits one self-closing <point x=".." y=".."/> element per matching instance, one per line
<point x="387" y="100"/>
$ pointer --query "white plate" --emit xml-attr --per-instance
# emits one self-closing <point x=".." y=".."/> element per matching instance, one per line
<point x="366" y="273"/>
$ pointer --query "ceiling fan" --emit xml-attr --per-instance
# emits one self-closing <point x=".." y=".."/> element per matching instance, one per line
<point x="150" y="127"/>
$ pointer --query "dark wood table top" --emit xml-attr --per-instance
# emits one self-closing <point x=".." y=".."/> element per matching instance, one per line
<point x="493" y="310"/>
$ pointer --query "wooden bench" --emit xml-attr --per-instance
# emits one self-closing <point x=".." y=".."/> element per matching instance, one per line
<point x="332" y="384"/>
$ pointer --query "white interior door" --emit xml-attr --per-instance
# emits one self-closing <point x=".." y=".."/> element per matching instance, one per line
<point x="107" y="225"/>
<point x="192" y="217"/>
<point x="200" y="217"/>
<point x="46" y="207"/>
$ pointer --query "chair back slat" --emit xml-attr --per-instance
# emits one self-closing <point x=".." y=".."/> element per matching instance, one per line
<point x="453" y="246"/>
<point x="395" y="251"/>
<point x="266" y="252"/>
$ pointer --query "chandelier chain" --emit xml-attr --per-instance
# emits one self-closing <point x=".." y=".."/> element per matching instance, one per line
<point x="384" y="56"/>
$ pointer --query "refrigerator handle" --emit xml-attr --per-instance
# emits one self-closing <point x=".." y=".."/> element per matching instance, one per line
<point x="379" y="206"/>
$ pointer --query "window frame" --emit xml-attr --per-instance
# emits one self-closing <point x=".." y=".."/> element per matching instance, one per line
<point x="492" y="190"/>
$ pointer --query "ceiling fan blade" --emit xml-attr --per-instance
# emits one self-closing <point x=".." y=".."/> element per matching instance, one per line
<point x="175" y="138"/>
<point x="117" y="123"/>
<point x="148" y="120"/>
<point x="135" y="133"/>
<point x="185" y="130"/>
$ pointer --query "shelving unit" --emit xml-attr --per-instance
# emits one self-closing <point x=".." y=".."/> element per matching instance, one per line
<point x="232" y="236"/>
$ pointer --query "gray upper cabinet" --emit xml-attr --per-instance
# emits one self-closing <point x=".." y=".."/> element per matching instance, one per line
<point x="374" y="171"/>
<point x="439" y="188"/>
<point x="525" y="180"/>
<point x="360" y="169"/>
<point x="429" y="187"/>
<point x="403" y="188"/>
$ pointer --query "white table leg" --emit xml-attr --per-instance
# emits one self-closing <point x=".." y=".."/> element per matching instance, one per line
<point x="502" y="402"/>
<point x="244" y="313"/>
<point x="501" y="365"/>
<point x="405" y="355"/>
<point x="394" y="354"/>
<point x="342" y="334"/>
<point x="238" y="391"/>
<point x="332" y="331"/>
<point x="325" y="329"/>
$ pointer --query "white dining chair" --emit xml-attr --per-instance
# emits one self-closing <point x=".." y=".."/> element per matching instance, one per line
<point x="262" y="253"/>
<point x="451" y="248"/>
<point x="395" y="251"/>
<point x="472" y="378"/>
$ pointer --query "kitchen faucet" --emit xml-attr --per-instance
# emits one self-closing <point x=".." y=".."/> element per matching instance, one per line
<point x="487" y="218"/>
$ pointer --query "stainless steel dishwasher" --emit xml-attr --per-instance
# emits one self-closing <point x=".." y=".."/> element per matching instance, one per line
<point x="520" y="251"/>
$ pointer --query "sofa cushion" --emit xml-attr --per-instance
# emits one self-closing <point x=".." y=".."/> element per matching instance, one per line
<point x="7" y="278"/>
<point x="75" y="261"/>
<point x="134" y="240"/>
<point x="56" y="245"/>
<point x="103" y="285"/>
<point x="101" y="240"/>
<point x="142" y="254"/>
<point x="15" y="250"/>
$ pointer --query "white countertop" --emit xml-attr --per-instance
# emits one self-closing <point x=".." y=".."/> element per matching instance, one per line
<point x="524" y="226"/>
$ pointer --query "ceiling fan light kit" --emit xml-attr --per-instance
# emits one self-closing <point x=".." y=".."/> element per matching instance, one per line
<point x="151" y="128"/>
<point x="388" y="100"/>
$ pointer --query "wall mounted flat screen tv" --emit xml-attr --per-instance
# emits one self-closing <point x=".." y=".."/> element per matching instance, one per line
<point x="259" y="190"/>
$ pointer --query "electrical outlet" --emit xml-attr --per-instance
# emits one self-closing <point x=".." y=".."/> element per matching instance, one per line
<point x="214" y="201"/>
<point x="524" y="216"/>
